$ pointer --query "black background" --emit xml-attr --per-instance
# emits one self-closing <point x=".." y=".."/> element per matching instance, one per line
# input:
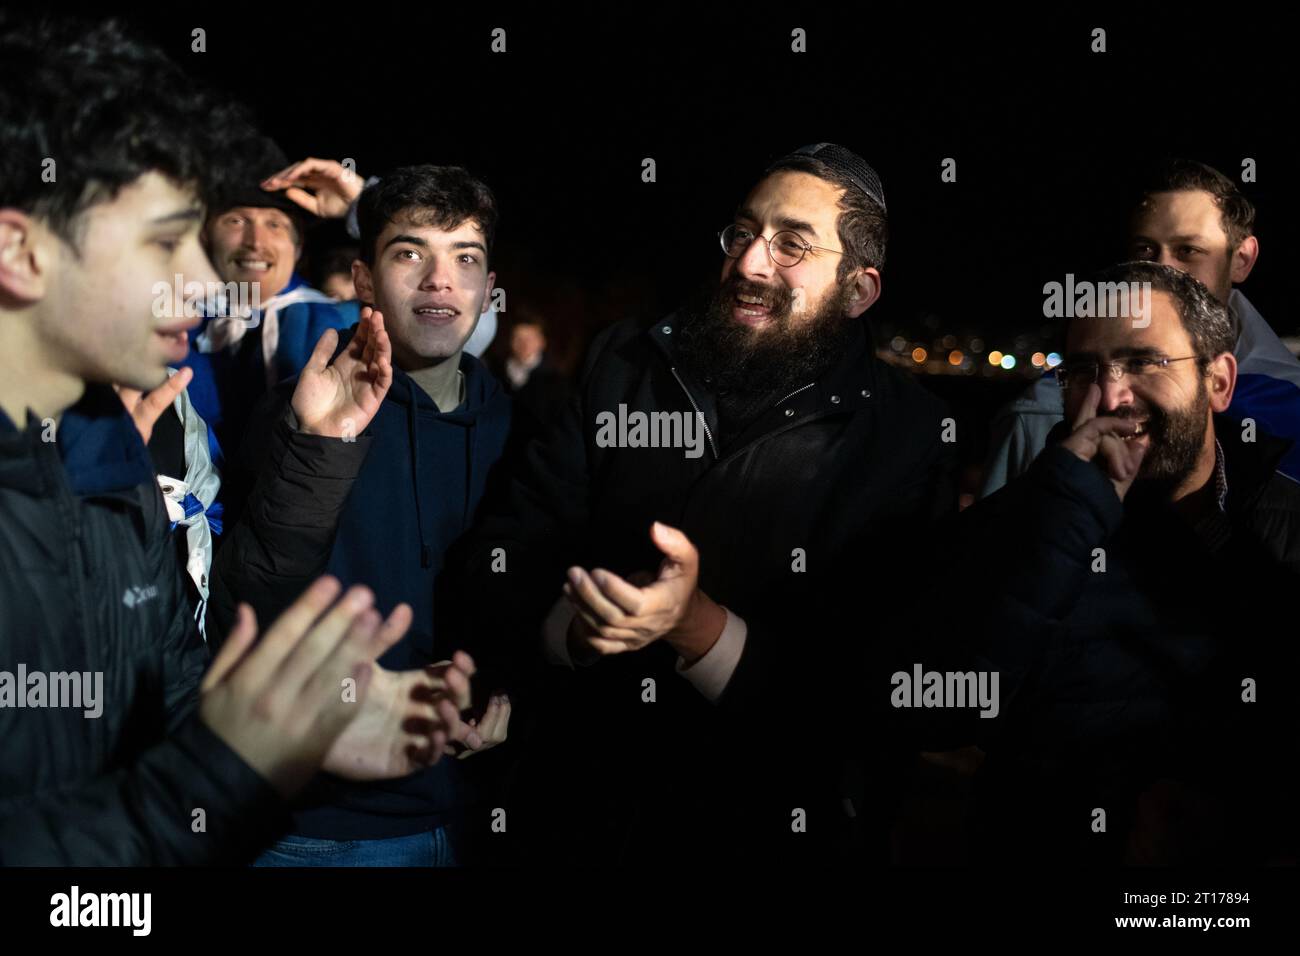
<point x="1043" y="131"/>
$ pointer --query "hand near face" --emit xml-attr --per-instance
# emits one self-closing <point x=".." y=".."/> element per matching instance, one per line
<point x="146" y="409"/>
<point x="339" y="399"/>
<point x="1109" y="441"/>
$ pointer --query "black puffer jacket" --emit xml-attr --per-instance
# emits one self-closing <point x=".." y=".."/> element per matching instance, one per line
<point x="89" y="583"/>
<point x="803" y="525"/>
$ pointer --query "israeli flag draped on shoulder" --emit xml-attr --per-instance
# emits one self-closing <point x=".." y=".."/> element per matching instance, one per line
<point x="279" y="320"/>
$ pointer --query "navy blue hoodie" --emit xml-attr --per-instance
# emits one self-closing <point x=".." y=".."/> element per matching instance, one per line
<point x="415" y="494"/>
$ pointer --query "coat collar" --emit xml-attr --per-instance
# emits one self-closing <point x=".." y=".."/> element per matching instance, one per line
<point x="1248" y="466"/>
<point x="848" y="385"/>
<point x="101" y="450"/>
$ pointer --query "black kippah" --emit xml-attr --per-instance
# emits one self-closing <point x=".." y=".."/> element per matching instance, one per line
<point x="847" y="163"/>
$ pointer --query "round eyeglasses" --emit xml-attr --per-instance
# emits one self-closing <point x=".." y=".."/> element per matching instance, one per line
<point x="786" y="248"/>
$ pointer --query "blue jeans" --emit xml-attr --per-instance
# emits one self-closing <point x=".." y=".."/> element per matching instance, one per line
<point x="420" y="849"/>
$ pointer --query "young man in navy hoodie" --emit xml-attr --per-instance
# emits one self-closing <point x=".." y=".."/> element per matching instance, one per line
<point x="385" y="503"/>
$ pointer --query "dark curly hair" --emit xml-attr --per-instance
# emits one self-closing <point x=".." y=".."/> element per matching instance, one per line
<point x="107" y="108"/>
<point x="442" y="196"/>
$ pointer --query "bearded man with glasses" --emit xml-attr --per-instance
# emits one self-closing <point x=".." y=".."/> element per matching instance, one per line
<point x="699" y="595"/>
<point x="1133" y="583"/>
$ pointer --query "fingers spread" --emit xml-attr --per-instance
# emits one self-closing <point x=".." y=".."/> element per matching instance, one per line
<point x="288" y="629"/>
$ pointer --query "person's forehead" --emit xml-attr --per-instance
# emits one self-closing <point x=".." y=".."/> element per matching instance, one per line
<point x="409" y="224"/>
<point x="793" y="194"/>
<point x="257" y="212"/>
<point x="151" y="197"/>
<point x="1185" y="212"/>
<point x="1104" y="336"/>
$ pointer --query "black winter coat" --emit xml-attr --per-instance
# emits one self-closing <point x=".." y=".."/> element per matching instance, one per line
<point x="90" y="583"/>
<point x="805" y="526"/>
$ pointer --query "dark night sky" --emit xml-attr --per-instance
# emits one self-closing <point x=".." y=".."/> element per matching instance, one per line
<point x="1043" y="132"/>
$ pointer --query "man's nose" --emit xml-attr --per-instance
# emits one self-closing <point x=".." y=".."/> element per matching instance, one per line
<point x="255" y="235"/>
<point x="754" y="262"/>
<point x="1113" y="393"/>
<point x="436" y="275"/>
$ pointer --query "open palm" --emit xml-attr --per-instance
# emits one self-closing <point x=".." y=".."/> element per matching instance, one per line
<point x="338" y="399"/>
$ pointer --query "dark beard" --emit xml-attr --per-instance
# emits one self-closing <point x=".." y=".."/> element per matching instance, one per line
<point x="1177" y="440"/>
<point x="743" y="367"/>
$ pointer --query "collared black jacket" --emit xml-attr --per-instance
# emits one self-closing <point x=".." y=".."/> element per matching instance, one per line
<point x="806" y="528"/>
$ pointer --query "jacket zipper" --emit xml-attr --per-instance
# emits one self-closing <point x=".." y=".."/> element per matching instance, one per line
<point x="78" y="568"/>
<point x="703" y="421"/>
<point x="793" y="394"/>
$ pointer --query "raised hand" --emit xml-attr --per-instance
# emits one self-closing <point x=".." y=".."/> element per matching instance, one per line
<point x="338" y="399"/>
<point x="333" y="186"/>
<point x="146" y="409"/>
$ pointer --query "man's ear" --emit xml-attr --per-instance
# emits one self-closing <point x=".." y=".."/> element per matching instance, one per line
<point x="1223" y="380"/>
<point x="1244" y="258"/>
<point x="363" y="283"/>
<point x="25" y="256"/>
<point x="487" y="292"/>
<point x="866" y="290"/>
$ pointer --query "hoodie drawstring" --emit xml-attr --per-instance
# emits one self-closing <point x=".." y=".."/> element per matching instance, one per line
<point x="426" y="553"/>
<point x="469" y="478"/>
